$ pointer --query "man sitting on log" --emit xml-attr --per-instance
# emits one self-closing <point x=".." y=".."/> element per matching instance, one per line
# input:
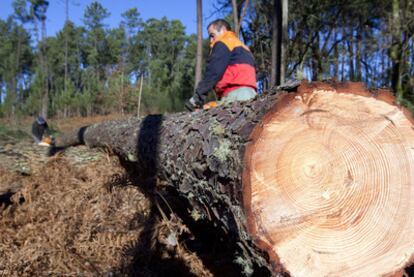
<point x="230" y="68"/>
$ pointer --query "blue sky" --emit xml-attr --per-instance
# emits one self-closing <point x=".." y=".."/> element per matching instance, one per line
<point x="184" y="10"/>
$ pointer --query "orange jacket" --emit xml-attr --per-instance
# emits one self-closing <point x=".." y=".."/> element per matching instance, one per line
<point x="229" y="66"/>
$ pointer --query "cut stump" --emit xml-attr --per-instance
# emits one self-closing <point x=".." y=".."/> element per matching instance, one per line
<point x="317" y="182"/>
<point x="330" y="182"/>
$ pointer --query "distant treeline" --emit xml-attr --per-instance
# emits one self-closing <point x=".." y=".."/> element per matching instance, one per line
<point x="92" y="69"/>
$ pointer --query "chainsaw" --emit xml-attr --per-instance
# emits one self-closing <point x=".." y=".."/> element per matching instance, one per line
<point x="209" y="105"/>
<point x="47" y="141"/>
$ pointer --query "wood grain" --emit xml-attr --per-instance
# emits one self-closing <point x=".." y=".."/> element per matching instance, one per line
<point x="331" y="181"/>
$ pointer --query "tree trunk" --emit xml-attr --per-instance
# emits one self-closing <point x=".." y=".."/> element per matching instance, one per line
<point x="358" y="55"/>
<point x="235" y="16"/>
<point x="45" y="81"/>
<point x="276" y="43"/>
<point x="66" y="46"/>
<point x="351" y="60"/>
<point x="298" y="179"/>
<point x="316" y="61"/>
<point x="239" y="27"/>
<point x="199" y="57"/>
<point x="123" y="96"/>
<point x="336" y="63"/>
<point x="396" y="49"/>
<point x="285" y="40"/>
<point x="140" y="94"/>
<point x="16" y="99"/>
<point x="343" y="53"/>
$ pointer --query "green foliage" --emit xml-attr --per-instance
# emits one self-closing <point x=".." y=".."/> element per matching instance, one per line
<point x="8" y="134"/>
<point x="167" y="58"/>
<point x="347" y="40"/>
<point x="94" y="15"/>
<point x="131" y="21"/>
<point x="16" y="59"/>
<point x="38" y="9"/>
<point x="33" y="102"/>
<point x="93" y="69"/>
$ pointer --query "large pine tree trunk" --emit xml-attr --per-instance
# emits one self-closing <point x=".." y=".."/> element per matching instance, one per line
<point x="314" y="183"/>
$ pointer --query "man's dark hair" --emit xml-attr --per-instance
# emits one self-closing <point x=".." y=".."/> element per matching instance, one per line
<point x="219" y="23"/>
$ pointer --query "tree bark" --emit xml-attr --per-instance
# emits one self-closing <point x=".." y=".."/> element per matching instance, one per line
<point x="235" y="16"/>
<point x="298" y="179"/>
<point x="336" y="63"/>
<point x="199" y="56"/>
<point x="358" y="54"/>
<point x="140" y="94"/>
<point x="65" y="83"/>
<point x="396" y="49"/>
<point x="285" y="41"/>
<point x="239" y="28"/>
<point x="316" y="61"/>
<point x="45" y="81"/>
<point x="351" y="60"/>
<point x="276" y="43"/>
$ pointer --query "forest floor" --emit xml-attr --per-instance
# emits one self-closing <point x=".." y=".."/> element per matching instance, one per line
<point x="79" y="213"/>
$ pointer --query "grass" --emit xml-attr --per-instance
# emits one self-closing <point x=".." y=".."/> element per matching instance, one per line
<point x="8" y="134"/>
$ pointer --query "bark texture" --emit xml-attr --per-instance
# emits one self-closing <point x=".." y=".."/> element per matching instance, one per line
<point x="222" y="161"/>
<point x="199" y="153"/>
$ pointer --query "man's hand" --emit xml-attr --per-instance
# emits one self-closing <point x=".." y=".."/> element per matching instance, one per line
<point x="191" y="104"/>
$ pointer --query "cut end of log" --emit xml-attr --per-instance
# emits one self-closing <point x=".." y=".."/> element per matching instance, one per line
<point x="329" y="183"/>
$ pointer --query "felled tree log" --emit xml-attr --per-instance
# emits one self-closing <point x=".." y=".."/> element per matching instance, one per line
<point x="317" y="182"/>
